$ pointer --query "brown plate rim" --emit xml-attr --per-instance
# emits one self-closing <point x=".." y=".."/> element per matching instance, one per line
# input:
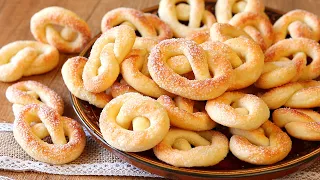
<point x="256" y="171"/>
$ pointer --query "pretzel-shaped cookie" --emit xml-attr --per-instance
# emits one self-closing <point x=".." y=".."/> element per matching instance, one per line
<point x="163" y="30"/>
<point x="119" y="88"/>
<point x="200" y="37"/>
<point x="222" y="32"/>
<point x="148" y="25"/>
<point x="238" y="110"/>
<point x="302" y="94"/>
<point x="141" y="50"/>
<point x="257" y="26"/>
<point x="243" y="53"/>
<point x="135" y="71"/>
<point x="278" y="62"/>
<point x="149" y="120"/>
<point x="183" y="114"/>
<point x="204" y="86"/>
<point x="225" y="8"/>
<point x="26" y="58"/>
<point x="131" y="17"/>
<point x="131" y="72"/>
<point x="71" y="39"/>
<point x="255" y="136"/>
<point x="61" y="151"/>
<point x="32" y="92"/>
<point x="210" y="147"/>
<point x="71" y="72"/>
<point x="195" y="13"/>
<point x="144" y="44"/>
<point x="103" y="65"/>
<point x="298" y="24"/>
<point x="247" y="61"/>
<point x="300" y="123"/>
<point x="218" y="32"/>
<point x="260" y="153"/>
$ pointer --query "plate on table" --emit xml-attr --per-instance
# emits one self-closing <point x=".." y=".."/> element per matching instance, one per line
<point x="302" y="155"/>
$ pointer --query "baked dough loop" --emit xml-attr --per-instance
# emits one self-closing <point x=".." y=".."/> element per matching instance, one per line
<point x="289" y="61"/>
<point x="35" y="122"/>
<point x="222" y="32"/>
<point x="71" y="39"/>
<point x="238" y="110"/>
<point x="256" y="136"/>
<point x="148" y="119"/>
<point x="300" y="123"/>
<point x="218" y="32"/>
<point x="148" y="25"/>
<point x="257" y="25"/>
<point x="247" y="61"/>
<point x="226" y="8"/>
<point x="183" y="114"/>
<point x="26" y="58"/>
<point x="144" y="44"/>
<point x="132" y="70"/>
<point x="302" y="94"/>
<point x="103" y="65"/>
<point x="121" y="87"/>
<point x="252" y="147"/>
<point x="243" y="53"/>
<point x="202" y="61"/>
<point x="210" y="147"/>
<point x="298" y="24"/>
<point x="32" y="92"/>
<point x="163" y="30"/>
<point x="194" y="12"/>
<point x="72" y="76"/>
<point x="200" y="37"/>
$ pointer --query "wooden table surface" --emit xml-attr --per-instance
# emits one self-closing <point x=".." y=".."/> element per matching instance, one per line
<point x="14" y="25"/>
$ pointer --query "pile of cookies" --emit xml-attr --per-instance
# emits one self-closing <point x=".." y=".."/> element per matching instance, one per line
<point x="166" y="82"/>
<point x="38" y="114"/>
<point x="37" y="108"/>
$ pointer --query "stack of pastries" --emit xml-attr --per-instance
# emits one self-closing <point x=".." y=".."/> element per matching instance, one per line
<point x="167" y="82"/>
<point x="168" y="87"/>
<point x="39" y="125"/>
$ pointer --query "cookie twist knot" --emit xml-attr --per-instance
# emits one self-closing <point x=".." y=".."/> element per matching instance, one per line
<point x="148" y="25"/>
<point x="202" y="61"/>
<point x="32" y="92"/>
<point x="226" y="8"/>
<point x="148" y="120"/>
<point x="257" y="26"/>
<point x="194" y="12"/>
<point x="26" y="58"/>
<point x="266" y="145"/>
<point x="238" y="110"/>
<point x="183" y="114"/>
<point x="210" y="147"/>
<point x="298" y="24"/>
<point x="35" y="122"/>
<point x="292" y="60"/>
<point x="107" y="53"/>
<point x="302" y="94"/>
<point x="72" y="71"/>
<point x="300" y="123"/>
<point x="135" y="72"/>
<point x="71" y="39"/>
